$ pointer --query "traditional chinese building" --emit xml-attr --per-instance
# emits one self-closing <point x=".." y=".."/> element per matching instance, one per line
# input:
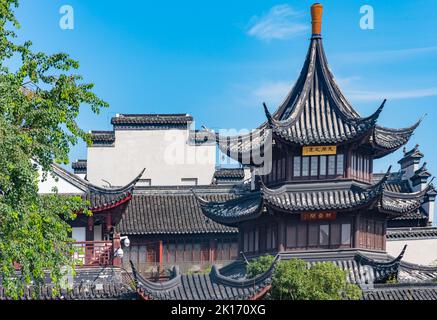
<point x="320" y="192"/>
<point x="312" y="195"/>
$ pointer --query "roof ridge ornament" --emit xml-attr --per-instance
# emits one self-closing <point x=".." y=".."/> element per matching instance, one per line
<point x="268" y="115"/>
<point x="316" y="20"/>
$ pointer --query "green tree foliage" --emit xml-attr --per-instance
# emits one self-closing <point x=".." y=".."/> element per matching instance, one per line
<point x="259" y="265"/>
<point x="35" y="125"/>
<point x="293" y="280"/>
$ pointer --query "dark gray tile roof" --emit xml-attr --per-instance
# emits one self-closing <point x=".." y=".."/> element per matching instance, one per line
<point x="151" y="121"/>
<point x="108" y="291"/>
<point x="422" y="171"/>
<point x="395" y="183"/>
<point x="79" y="166"/>
<point x="100" y="198"/>
<point x="364" y="268"/>
<point x="201" y="137"/>
<point x="411" y="233"/>
<point x="413" y="216"/>
<point x="411" y="154"/>
<point x="108" y="283"/>
<point x="170" y="213"/>
<point x="230" y="212"/>
<point x="104" y="201"/>
<point x="319" y="196"/>
<point x="315" y="112"/>
<point x="425" y="291"/>
<point x="212" y="286"/>
<point x="247" y="148"/>
<point x="102" y="137"/>
<point x="300" y="197"/>
<point x="226" y="174"/>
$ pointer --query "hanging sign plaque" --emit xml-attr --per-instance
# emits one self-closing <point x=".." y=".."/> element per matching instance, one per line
<point x="318" y="150"/>
<point x="315" y="216"/>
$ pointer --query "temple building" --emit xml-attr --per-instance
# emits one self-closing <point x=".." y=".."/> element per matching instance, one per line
<point x="319" y="191"/>
<point x="305" y="188"/>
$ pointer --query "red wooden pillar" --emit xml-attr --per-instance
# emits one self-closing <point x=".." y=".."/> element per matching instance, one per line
<point x="108" y="222"/>
<point x="89" y="234"/>
<point x="212" y="246"/>
<point x="116" y="244"/>
<point x="356" y="242"/>
<point x="160" y="254"/>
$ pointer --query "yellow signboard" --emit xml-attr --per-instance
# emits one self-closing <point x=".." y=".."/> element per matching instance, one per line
<point x="318" y="150"/>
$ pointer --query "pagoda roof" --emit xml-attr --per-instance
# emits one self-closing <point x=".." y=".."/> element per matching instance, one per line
<point x="341" y="195"/>
<point x="316" y="112"/>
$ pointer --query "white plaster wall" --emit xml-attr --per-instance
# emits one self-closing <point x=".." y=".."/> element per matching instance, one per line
<point x="165" y="154"/>
<point x="62" y="185"/>
<point x="422" y="251"/>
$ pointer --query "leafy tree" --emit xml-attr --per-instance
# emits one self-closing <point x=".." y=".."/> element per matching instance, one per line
<point x="259" y="265"/>
<point x="293" y="280"/>
<point x="37" y="125"/>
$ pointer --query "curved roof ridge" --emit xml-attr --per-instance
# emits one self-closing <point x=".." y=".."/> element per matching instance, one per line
<point x="122" y="189"/>
<point x="85" y="185"/>
<point x="410" y="195"/>
<point x="229" y="281"/>
<point x="247" y="206"/>
<point x="174" y="281"/>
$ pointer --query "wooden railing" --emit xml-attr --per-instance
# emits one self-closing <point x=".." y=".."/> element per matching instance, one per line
<point x="93" y="253"/>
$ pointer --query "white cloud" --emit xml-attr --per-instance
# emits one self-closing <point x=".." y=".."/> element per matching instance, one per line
<point x="352" y="92"/>
<point x="281" y="22"/>
<point x="385" y="55"/>
<point x="275" y="92"/>
<point x="362" y="95"/>
<point x="272" y="92"/>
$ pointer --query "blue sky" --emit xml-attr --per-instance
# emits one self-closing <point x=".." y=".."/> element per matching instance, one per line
<point x="219" y="60"/>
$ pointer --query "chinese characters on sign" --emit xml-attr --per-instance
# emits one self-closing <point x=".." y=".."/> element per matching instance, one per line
<point x="318" y="150"/>
<point x="315" y="216"/>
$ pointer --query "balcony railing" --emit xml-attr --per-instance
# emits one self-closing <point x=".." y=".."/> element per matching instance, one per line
<point x="93" y="253"/>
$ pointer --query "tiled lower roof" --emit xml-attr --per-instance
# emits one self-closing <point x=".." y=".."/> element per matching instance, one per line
<point x="170" y="213"/>
<point x="106" y="283"/>
<point x="413" y="216"/>
<point x="109" y="291"/>
<point x="411" y="233"/>
<point x="212" y="286"/>
<point x="425" y="291"/>
<point x="300" y="197"/>
<point x="364" y="268"/>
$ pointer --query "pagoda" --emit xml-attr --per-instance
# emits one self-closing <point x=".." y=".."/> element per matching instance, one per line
<point x="315" y="188"/>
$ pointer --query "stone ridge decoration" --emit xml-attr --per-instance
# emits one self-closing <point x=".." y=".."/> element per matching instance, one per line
<point x="319" y="150"/>
<point x="317" y="216"/>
